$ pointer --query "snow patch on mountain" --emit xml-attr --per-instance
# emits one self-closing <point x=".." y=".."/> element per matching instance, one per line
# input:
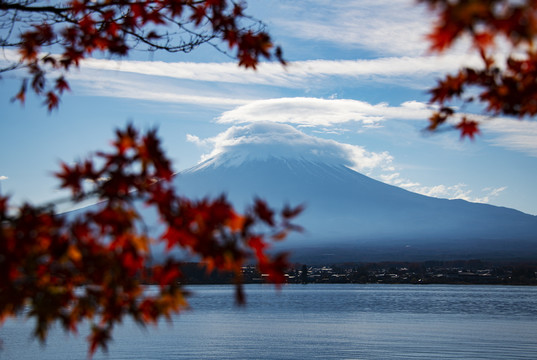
<point x="266" y="140"/>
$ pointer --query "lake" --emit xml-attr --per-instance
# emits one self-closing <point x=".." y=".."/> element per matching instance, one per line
<point x="329" y="321"/>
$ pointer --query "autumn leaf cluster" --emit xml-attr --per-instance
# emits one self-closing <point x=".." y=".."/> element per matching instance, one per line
<point x="76" y="29"/>
<point x="503" y="86"/>
<point x="91" y="266"/>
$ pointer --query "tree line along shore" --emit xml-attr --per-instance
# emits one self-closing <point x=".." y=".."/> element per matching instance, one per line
<point x="428" y="272"/>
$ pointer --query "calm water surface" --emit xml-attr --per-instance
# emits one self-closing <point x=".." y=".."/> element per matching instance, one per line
<point x="319" y="322"/>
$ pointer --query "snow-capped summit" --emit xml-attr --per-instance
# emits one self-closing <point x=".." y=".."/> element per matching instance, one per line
<point x="349" y="216"/>
<point x="266" y="140"/>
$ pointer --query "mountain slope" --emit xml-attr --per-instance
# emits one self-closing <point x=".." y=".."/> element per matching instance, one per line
<point x="350" y="217"/>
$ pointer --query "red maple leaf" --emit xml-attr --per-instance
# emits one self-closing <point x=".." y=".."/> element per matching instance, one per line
<point x="468" y="128"/>
<point x="62" y="85"/>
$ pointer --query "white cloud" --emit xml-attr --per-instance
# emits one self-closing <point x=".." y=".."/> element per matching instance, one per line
<point x="295" y="74"/>
<point x="457" y="191"/>
<point x="514" y="134"/>
<point x="194" y="139"/>
<point x="2" y="177"/>
<point x="329" y="130"/>
<point x="493" y="192"/>
<point x="143" y="89"/>
<point x="518" y="135"/>
<point x="322" y="112"/>
<point x="390" y="178"/>
<point x="8" y="56"/>
<point x="264" y="139"/>
<point x="382" y="26"/>
<point x="215" y="72"/>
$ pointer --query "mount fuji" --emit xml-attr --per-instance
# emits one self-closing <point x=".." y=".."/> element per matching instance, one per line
<point x="349" y="216"/>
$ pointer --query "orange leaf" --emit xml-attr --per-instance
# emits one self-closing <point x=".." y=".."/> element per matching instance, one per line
<point x="483" y="40"/>
<point x="280" y="235"/>
<point x="21" y="95"/>
<point x="74" y="253"/>
<point x="140" y="243"/>
<point x="236" y="222"/>
<point x="442" y="37"/>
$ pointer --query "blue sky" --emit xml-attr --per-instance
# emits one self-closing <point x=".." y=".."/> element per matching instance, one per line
<point x="358" y="76"/>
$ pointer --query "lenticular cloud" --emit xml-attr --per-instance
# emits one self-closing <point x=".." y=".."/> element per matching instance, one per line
<point x="304" y="111"/>
<point x="322" y="112"/>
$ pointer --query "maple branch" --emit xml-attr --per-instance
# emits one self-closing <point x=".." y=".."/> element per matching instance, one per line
<point x="82" y="27"/>
<point x="195" y="40"/>
<point x="11" y="67"/>
<point x="5" y="6"/>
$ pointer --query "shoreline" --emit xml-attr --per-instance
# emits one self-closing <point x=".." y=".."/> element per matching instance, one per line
<point x="466" y="272"/>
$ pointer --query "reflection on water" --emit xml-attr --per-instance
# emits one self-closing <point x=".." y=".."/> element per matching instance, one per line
<point x="320" y="322"/>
